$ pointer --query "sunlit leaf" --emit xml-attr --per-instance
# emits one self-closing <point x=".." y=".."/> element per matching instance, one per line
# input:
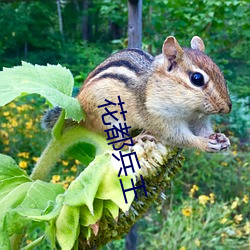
<point x="53" y="82"/>
<point x="83" y="189"/>
<point x="67" y="226"/>
<point x="9" y="168"/>
<point x="83" y="152"/>
<point x="86" y="218"/>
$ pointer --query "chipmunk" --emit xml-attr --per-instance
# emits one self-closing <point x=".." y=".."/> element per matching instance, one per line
<point x="169" y="97"/>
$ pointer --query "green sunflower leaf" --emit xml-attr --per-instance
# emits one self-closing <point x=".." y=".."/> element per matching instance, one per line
<point x="53" y="82"/>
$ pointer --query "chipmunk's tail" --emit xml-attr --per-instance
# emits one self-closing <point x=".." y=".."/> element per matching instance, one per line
<point x="50" y="117"/>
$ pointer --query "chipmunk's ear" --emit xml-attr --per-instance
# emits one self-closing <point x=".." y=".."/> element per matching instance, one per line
<point x="197" y="43"/>
<point x="171" y="49"/>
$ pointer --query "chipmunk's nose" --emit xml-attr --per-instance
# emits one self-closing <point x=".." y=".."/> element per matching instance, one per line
<point x="227" y="108"/>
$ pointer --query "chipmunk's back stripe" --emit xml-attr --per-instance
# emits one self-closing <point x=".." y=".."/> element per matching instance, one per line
<point x="142" y="53"/>
<point x="118" y="63"/>
<point x="118" y="77"/>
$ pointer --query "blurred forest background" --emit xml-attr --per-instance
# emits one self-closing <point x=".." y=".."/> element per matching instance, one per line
<point x="207" y="206"/>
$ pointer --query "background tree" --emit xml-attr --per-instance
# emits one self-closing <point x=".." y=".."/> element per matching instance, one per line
<point x="30" y="31"/>
<point x="135" y="23"/>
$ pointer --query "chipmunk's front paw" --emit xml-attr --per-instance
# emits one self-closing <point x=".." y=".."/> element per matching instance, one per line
<point x="218" y="142"/>
<point x="143" y="137"/>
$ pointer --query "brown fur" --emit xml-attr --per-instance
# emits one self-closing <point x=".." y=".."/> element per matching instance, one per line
<point x="158" y="95"/>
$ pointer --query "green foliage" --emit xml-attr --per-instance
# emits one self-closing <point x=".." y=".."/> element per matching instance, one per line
<point x="81" y="58"/>
<point x="239" y="119"/>
<point x="19" y="198"/>
<point x="198" y="224"/>
<point x="223" y="25"/>
<point x="52" y="82"/>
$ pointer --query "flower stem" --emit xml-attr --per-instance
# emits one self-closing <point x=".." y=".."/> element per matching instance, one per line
<point x="58" y="146"/>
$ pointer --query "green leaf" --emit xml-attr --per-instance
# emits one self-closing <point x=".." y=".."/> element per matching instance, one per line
<point x="58" y="127"/>
<point x="46" y="216"/>
<point x="83" y="152"/>
<point x="86" y="232"/>
<point x="110" y="189"/>
<point x="26" y="202"/>
<point x="99" y="180"/>
<point x="53" y="82"/>
<point x="86" y="218"/>
<point x="83" y="189"/>
<point x="50" y="234"/>
<point x="6" y="186"/>
<point x="34" y="243"/>
<point x="20" y="198"/>
<point x="67" y="226"/>
<point x="14" y="198"/>
<point x="112" y="208"/>
<point x="4" y="240"/>
<point x="39" y="194"/>
<point x="9" y="168"/>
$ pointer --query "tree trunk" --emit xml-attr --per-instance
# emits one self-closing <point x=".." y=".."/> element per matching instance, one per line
<point x="85" y="20"/>
<point x="131" y="238"/>
<point x="59" y="16"/>
<point x="135" y="23"/>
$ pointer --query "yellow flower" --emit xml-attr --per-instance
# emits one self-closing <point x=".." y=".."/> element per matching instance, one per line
<point x="238" y="218"/>
<point x="197" y="242"/>
<point x="35" y="159"/>
<point x="73" y="168"/>
<point x="70" y="178"/>
<point x="4" y="134"/>
<point x="6" y="149"/>
<point x="6" y="141"/>
<point x="14" y="123"/>
<point x="23" y="164"/>
<point x="183" y="248"/>
<point x="235" y="203"/>
<point x="203" y="199"/>
<point x="247" y="227"/>
<point x="223" y="235"/>
<point x="55" y="178"/>
<point x="193" y="190"/>
<point x="187" y="211"/>
<point x="224" y="164"/>
<point x="238" y="159"/>
<point x="65" y="185"/>
<point x="24" y="154"/>
<point x="28" y="241"/>
<point x="238" y="233"/>
<point x="23" y="107"/>
<point x="211" y="195"/>
<point x="223" y="220"/>
<point x="65" y="163"/>
<point x="6" y="113"/>
<point x="12" y="105"/>
<point x="234" y="152"/>
<point x="77" y="162"/>
<point x="245" y="199"/>
<point x="29" y="124"/>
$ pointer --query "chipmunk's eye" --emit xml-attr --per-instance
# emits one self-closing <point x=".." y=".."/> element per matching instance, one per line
<point x="197" y="79"/>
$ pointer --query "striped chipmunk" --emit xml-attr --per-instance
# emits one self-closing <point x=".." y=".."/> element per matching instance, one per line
<point x="169" y="97"/>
